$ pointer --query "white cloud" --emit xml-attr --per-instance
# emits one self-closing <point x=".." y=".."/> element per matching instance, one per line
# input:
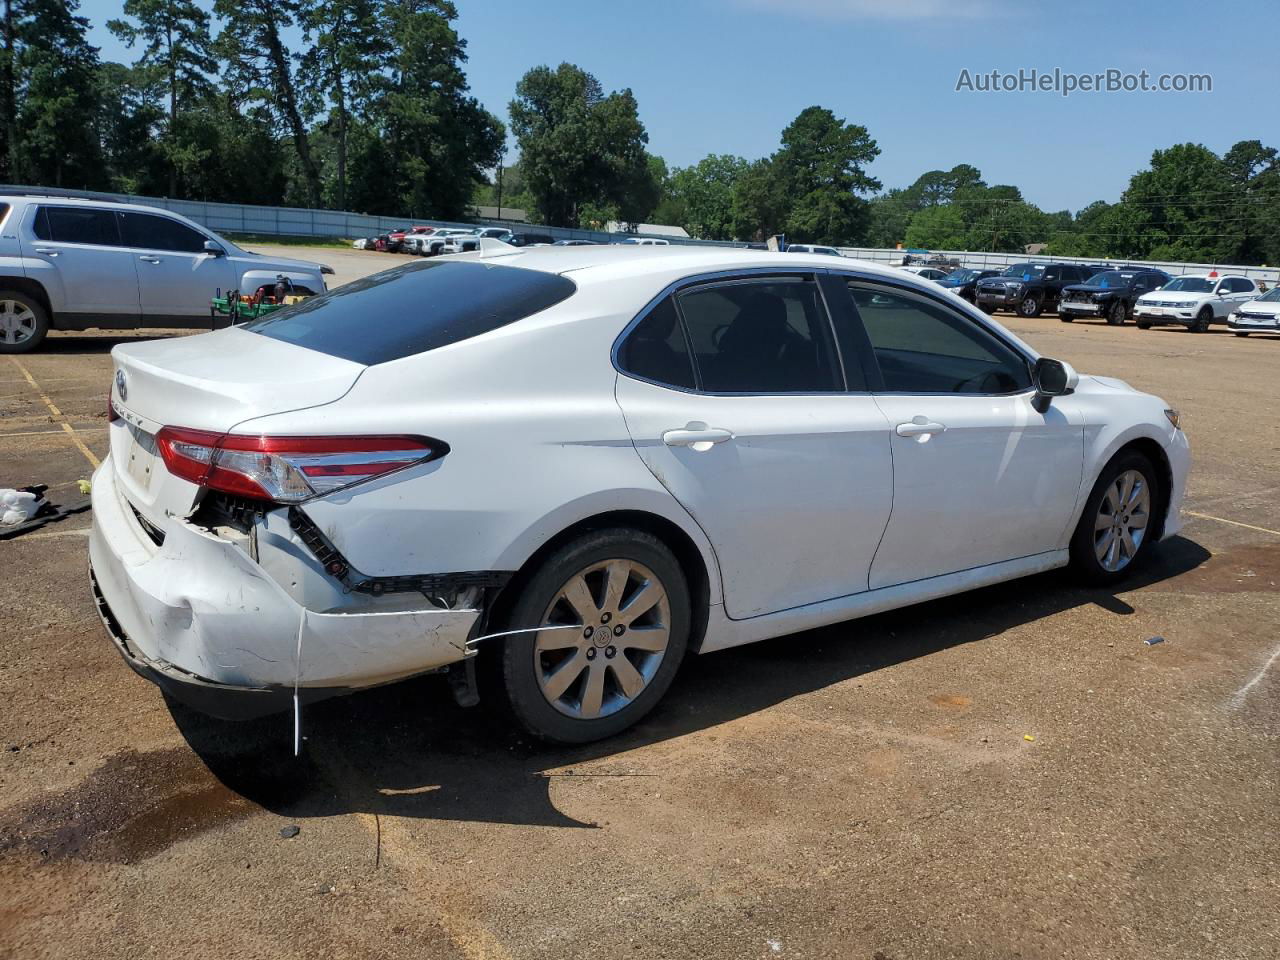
<point x="942" y="10"/>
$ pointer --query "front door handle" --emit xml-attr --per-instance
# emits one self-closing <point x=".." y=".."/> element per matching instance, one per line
<point x="696" y="435"/>
<point x="146" y="259"/>
<point x="46" y="251"/>
<point x="919" y="427"/>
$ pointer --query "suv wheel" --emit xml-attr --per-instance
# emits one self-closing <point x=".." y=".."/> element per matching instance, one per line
<point x="1241" y="333"/>
<point x="1115" y="531"/>
<point x="986" y="308"/>
<point x="1030" y="306"/>
<point x="622" y="609"/>
<point x="23" y="322"/>
<point x="1143" y="325"/>
<point x="1116" y="315"/>
<point x="1201" y="324"/>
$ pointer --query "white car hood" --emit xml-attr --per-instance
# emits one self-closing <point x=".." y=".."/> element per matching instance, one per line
<point x="1269" y="307"/>
<point x="1177" y="296"/>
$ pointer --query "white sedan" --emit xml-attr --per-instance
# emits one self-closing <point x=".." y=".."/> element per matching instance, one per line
<point x="1257" y="316"/>
<point x="582" y="463"/>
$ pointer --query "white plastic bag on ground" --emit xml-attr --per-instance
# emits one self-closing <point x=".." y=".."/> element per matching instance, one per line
<point x="17" y="506"/>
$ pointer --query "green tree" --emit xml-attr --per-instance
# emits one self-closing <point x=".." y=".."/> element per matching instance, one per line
<point x="889" y="216"/>
<point x="348" y="45"/>
<point x="177" y="52"/>
<point x="125" y="119"/>
<point x="259" y="66"/>
<point x="1184" y="207"/>
<point x="704" y="193"/>
<point x="822" y="164"/>
<point x="59" y="71"/>
<point x="937" y="228"/>
<point x="761" y="201"/>
<point x="441" y="138"/>
<point x="580" y="147"/>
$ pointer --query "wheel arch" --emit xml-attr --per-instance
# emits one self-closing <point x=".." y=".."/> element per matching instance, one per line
<point x="690" y="557"/>
<point x="32" y="288"/>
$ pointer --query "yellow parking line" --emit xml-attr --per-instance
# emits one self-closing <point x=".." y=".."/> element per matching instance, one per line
<point x="1234" y="523"/>
<point x="57" y="414"/>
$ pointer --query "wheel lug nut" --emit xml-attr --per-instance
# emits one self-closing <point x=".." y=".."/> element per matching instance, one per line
<point x="619" y="630"/>
<point x="610" y="652"/>
<point x="586" y="634"/>
<point x="606" y="617"/>
<point x="591" y="653"/>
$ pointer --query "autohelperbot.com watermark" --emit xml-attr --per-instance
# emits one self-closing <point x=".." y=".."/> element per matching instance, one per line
<point x="1065" y="83"/>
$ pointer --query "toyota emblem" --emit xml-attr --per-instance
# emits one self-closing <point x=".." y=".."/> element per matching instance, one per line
<point x="122" y="385"/>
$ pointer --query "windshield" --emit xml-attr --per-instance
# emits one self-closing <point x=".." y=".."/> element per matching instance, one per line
<point x="1272" y="296"/>
<point x="1026" y="271"/>
<point x="1111" y="278"/>
<point x="1189" y="285"/>
<point x="962" y="275"/>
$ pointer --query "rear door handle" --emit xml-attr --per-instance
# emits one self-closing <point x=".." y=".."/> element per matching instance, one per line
<point x="146" y="259"/>
<point x="46" y="251"/>
<point x="693" y="434"/>
<point x="919" y="427"/>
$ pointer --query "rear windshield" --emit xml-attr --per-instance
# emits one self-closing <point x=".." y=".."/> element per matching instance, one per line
<point x="414" y="308"/>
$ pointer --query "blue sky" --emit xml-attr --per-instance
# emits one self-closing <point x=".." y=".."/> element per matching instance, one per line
<point x="725" y="76"/>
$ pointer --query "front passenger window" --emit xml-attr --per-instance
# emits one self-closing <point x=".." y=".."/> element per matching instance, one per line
<point x="146" y="231"/>
<point x="923" y="347"/>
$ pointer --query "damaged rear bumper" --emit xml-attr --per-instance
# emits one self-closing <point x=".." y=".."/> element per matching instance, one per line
<point x="205" y="621"/>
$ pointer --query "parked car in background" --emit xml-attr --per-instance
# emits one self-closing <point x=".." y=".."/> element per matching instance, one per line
<point x="362" y="243"/>
<point x="813" y="248"/>
<point x="1110" y="294"/>
<point x="1029" y="288"/>
<point x="307" y="504"/>
<point x="440" y="240"/>
<point x="1261" y="315"/>
<point x="963" y="281"/>
<point x="928" y="273"/>
<point x="644" y="242"/>
<point x="576" y="243"/>
<point x="531" y="239"/>
<point x="468" y="241"/>
<point x="1194" y="301"/>
<point x="72" y="264"/>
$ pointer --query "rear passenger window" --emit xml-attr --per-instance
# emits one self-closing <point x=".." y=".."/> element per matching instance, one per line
<point x="761" y="336"/>
<point x="147" y="231"/>
<point x="656" y="349"/>
<point x="922" y="347"/>
<point x="77" y="225"/>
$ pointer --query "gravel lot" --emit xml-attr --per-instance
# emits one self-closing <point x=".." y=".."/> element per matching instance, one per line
<point x="870" y="790"/>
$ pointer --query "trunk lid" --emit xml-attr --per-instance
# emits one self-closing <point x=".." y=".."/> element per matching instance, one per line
<point x="209" y="382"/>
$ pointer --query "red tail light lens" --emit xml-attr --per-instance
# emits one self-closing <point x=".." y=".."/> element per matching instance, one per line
<point x="287" y="469"/>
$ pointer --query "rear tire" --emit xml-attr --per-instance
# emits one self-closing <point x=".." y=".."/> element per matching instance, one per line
<point x="1116" y="531"/>
<point x="619" y="664"/>
<point x="24" y="322"/>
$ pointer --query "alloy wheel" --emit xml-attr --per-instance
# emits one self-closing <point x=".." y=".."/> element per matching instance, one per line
<point x="1121" y="523"/>
<point x="17" y="322"/>
<point x="623" y="620"/>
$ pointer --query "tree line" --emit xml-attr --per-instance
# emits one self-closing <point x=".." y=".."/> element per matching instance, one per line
<point x="364" y="105"/>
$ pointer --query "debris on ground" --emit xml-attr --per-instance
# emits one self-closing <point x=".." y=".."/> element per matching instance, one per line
<point x="25" y="509"/>
<point x="1152" y="641"/>
<point x="1029" y="738"/>
<point x="291" y="831"/>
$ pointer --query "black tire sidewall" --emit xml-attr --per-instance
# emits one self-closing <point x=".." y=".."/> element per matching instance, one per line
<point x="1035" y="309"/>
<point x="524" y="697"/>
<point x="42" y="322"/>
<point x="1112" y="319"/>
<point x="1083" y="559"/>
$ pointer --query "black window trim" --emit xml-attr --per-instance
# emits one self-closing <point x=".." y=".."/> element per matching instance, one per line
<point x="725" y="278"/>
<point x="976" y="318"/>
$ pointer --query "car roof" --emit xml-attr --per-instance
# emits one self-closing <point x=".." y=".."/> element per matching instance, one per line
<point x="84" y="201"/>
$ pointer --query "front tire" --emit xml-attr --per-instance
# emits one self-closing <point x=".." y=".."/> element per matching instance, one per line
<point x="1241" y="333"/>
<point x="623" y="608"/>
<point x="1143" y="326"/>
<point x="1029" y="306"/>
<point x="1116" y="315"/>
<point x="1201" y="324"/>
<point x="24" y="322"/>
<point x="1116" y="530"/>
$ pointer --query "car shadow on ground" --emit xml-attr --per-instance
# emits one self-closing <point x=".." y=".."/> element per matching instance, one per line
<point x="407" y="750"/>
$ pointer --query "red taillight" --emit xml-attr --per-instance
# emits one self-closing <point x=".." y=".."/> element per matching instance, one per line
<point x="287" y="469"/>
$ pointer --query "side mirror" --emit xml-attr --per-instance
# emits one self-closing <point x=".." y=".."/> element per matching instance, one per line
<point x="1053" y="378"/>
<point x="214" y="249"/>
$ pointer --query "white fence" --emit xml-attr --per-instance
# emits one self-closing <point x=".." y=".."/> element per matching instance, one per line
<point x="304" y="222"/>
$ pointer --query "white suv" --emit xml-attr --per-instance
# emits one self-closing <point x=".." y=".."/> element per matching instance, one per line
<point x="1193" y="301"/>
<point x="71" y="264"/>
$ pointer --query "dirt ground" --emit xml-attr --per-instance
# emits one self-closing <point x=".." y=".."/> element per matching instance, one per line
<point x="870" y="790"/>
